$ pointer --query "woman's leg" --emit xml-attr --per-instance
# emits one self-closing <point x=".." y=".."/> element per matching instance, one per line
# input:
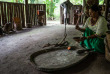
<point x="86" y="43"/>
<point x="96" y="43"/>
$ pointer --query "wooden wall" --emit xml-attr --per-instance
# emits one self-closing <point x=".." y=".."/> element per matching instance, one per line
<point x="32" y="14"/>
<point x="9" y="10"/>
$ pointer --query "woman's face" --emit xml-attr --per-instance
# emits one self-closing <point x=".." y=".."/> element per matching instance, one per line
<point x="92" y="13"/>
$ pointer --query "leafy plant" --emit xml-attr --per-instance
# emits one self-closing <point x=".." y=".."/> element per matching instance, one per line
<point x="50" y="7"/>
<point x="19" y="1"/>
<point x="101" y="2"/>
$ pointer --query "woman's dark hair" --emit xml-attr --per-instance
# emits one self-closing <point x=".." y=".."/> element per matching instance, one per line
<point x="95" y="8"/>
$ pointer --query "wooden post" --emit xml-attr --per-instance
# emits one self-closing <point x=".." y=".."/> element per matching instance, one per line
<point x="26" y="10"/>
<point x="61" y="15"/>
<point x="84" y="3"/>
<point x="106" y="10"/>
<point x="0" y="14"/>
<point x="45" y="14"/>
<point x="23" y="16"/>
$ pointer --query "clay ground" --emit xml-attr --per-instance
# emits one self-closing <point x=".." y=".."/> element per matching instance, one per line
<point x="15" y="50"/>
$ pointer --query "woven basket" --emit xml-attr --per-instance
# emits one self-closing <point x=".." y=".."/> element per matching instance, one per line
<point x="107" y="46"/>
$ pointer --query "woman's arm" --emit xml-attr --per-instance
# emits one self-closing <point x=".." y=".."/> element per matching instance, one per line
<point x="88" y="37"/>
<point x="77" y="26"/>
<point x="92" y="36"/>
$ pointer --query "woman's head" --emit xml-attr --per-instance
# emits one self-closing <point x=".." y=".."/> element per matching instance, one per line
<point x="94" y="11"/>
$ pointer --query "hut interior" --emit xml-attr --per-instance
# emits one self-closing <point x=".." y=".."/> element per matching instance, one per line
<point x="28" y="31"/>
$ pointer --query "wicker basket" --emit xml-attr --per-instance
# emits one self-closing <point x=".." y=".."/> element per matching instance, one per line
<point x="107" y="46"/>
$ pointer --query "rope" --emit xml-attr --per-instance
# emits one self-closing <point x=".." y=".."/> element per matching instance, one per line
<point x="65" y="34"/>
<point x="62" y="42"/>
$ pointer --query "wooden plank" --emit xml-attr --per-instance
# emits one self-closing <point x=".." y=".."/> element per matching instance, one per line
<point x="36" y="14"/>
<point x="33" y="15"/>
<point x="17" y="13"/>
<point x="8" y="12"/>
<point x="11" y="12"/>
<point x="29" y="14"/>
<point x="20" y="11"/>
<point x="14" y="9"/>
<point x="3" y="14"/>
<point x="23" y="17"/>
<point x="0" y="14"/>
<point x="5" y="10"/>
<point x="26" y="11"/>
<point x="45" y="13"/>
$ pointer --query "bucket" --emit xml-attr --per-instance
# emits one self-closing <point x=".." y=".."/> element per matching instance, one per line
<point x="107" y="46"/>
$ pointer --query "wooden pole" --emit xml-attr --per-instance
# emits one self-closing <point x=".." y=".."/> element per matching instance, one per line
<point x="26" y="2"/>
<point x="106" y="10"/>
<point x="26" y="10"/>
<point x="84" y="3"/>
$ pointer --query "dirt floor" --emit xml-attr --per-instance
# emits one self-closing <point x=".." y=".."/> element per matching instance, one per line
<point x="15" y="50"/>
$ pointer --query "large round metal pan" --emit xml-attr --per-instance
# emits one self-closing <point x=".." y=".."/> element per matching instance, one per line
<point x="53" y="59"/>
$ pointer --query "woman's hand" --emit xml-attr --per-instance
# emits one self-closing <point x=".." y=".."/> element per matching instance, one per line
<point x="80" y="39"/>
<point x="83" y="38"/>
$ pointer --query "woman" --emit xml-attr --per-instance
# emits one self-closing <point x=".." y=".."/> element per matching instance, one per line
<point x="94" y="30"/>
<point x="88" y="4"/>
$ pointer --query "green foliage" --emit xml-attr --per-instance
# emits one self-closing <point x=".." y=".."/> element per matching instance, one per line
<point x="19" y="1"/>
<point x="56" y="1"/>
<point x="50" y="7"/>
<point x="101" y="2"/>
<point x="77" y="2"/>
<point x="47" y="2"/>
